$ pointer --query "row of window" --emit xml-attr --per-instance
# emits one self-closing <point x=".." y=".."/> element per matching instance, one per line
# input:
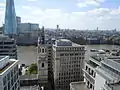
<point x="71" y="54"/>
<point x="12" y="74"/>
<point x="41" y="50"/>
<point x="68" y="74"/>
<point x="15" y="87"/>
<point x="91" y="72"/>
<point x="72" y="48"/>
<point x="90" y="86"/>
<point x="70" y="61"/>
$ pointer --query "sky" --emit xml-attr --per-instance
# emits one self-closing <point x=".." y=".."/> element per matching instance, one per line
<point x="74" y="14"/>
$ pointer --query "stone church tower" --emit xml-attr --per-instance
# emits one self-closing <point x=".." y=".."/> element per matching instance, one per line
<point x="44" y="60"/>
<point x="42" y="65"/>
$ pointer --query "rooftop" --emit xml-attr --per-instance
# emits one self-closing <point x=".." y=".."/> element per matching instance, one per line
<point x="28" y="77"/>
<point x="78" y="86"/>
<point x="92" y="64"/>
<point x="113" y="63"/>
<point x="65" y="42"/>
<point x="7" y="66"/>
<point x="5" y="63"/>
<point x="1" y="57"/>
<point x="96" y="58"/>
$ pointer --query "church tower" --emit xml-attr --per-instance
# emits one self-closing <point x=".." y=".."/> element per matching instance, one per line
<point x="42" y="65"/>
<point x="45" y="70"/>
<point x="42" y="60"/>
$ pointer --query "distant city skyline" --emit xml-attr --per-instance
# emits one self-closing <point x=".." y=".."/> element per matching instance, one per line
<point x="77" y="14"/>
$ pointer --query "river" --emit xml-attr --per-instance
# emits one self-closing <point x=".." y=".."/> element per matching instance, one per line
<point x="28" y="54"/>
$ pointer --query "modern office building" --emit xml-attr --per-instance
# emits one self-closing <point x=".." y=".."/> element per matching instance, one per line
<point x="10" y="18"/>
<point x="8" y="47"/>
<point x="108" y="74"/>
<point x="68" y="62"/>
<point x="18" y="20"/>
<point x="28" y="27"/>
<point x="9" y="74"/>
<point x="45" y="71"/>
<point x="1" y="30"/>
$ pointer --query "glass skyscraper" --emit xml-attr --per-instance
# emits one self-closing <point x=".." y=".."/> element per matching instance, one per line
<point x="10" y="18"/>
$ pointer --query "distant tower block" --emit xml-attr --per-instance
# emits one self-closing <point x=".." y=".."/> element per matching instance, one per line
<point x="10" y="18"/>
<point x="42" y="36"/>
<point x="97" y="28"/>
<point x="57" y="27"/>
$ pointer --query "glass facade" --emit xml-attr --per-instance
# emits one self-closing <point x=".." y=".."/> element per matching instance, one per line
<point x="10" y="18"/>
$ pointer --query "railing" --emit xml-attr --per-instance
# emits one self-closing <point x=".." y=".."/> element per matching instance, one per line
<point x="89" y="78"/>
<point x="106" y="87"/>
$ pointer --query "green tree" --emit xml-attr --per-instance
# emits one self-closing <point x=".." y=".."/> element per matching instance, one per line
<point x="32" y="69"/>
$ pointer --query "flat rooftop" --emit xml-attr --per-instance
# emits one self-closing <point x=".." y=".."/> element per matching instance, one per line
<point x="1" y="57"/>
<point x="92" y="64"/>
<point x="78" y="86"/>
<point x="65" y="42"/>
<point x="99" y="57"/>
<point x="6" y="67"/>
<point x="28" y="77"/>
<point x="6" y="63"/>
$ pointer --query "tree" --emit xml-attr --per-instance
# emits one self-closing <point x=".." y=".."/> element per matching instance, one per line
<point x="32" y="69"/>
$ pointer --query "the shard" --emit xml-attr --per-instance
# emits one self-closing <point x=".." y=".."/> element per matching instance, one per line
<point x="10" y="18"/>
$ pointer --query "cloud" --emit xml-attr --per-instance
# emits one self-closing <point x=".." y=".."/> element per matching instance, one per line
<point x="32" y="0"/>
<point x="26" y="7"/>
<point x="86" y="3"/>
<point x="2" y="4"/>
<point x="101" y="17"/>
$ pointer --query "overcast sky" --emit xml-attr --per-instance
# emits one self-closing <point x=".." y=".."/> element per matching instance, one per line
<point x="78" y="14"/>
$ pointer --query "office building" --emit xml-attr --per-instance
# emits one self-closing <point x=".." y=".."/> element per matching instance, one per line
<point x="45" y="71"/>
<point x="68" y="62"/>
<point x="108" y="74"/>
<point x="9" y="74"/>
<point x="8" y="47"/>
<point x="1" y="30"/>
<point x="28" y="27"/>
<point x="10" y="18"/>
<point x="18" y="20"/>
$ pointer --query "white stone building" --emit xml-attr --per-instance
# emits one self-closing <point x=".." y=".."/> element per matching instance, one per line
<point x="89" y="69"/>
<point x="108" y="74"/>
<point x="68" y="62"/>
<point x="9" y="74"/>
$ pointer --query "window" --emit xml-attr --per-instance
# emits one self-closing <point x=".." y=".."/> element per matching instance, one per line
<point x="39" y="50"/>
<point x="43" y="65"/>
<point x="4" y="80"/>
<point x="8" y="76"/>
<point x="43" y="50"/>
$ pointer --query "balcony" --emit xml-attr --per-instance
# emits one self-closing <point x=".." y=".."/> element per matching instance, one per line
<point x="89" y="77"/>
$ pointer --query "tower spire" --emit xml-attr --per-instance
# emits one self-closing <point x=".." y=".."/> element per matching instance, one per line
<point x="10" y="18"/>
